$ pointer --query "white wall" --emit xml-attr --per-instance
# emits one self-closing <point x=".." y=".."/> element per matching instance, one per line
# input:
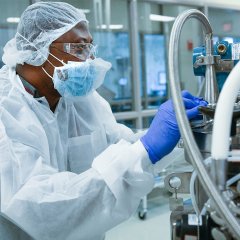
<point x="219" y="17"/>
<point x="232" y="4"/>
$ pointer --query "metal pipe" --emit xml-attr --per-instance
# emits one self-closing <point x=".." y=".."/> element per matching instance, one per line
<point x="133" y="26"/>
<point x="211" y="89"/>
<point x="186" y="132"/>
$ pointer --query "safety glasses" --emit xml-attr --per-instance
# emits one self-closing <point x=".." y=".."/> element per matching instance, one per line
<point x="82" y="51"/>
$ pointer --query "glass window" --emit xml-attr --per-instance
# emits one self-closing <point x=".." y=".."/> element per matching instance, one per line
<point x="156" y="21"/>
<point x="114" y="47"/>
<point x="153" y="56"/>
<point x="155" y="69"/>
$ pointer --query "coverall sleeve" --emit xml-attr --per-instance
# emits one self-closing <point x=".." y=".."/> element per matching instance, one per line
<point x="115" y="131"/>
<point x="48" y="204"/>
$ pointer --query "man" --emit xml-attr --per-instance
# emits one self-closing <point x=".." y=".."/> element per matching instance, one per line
<point x="68" y="169"/>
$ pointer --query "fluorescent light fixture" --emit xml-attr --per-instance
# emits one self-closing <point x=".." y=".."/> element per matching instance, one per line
<point x="13" y="19"/>
<point x="113" y="26"/>
<point x="86" y="10"/>
<point x="161" y="18"/>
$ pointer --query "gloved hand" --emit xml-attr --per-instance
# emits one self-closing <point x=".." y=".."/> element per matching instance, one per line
<point x="163" y="134"/>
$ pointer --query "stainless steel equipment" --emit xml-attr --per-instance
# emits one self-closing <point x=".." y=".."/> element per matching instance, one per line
<point x="217" y="196"/>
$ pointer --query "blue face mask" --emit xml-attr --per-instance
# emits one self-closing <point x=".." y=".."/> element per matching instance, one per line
<point x="77" y="79"/>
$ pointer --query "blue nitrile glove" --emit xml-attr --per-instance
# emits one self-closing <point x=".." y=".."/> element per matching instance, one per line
<point x="163" y="134"/>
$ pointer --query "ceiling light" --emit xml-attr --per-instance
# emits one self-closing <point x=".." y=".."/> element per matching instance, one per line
<point x="113" y="26"/>
<point x="13" y="19"/>
<point x="161" y="18"/>
<point x="86" y="10"/>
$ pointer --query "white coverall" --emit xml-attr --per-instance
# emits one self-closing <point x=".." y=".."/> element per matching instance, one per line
<point x="41" y="155"/>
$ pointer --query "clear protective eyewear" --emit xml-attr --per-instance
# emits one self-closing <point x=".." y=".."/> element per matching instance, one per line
<point x="82" y="51"/>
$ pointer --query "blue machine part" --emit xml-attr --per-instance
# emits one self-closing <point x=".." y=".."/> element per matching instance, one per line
<point x="223" y="49"/>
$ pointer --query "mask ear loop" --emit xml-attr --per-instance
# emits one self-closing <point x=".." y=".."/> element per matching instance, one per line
<point x="93" y="51"/>
<point x="47" y="73"/>
<point x="61" y="61"/>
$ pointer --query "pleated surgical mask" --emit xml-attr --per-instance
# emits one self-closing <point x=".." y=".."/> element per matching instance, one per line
<point x="78" y="79"/>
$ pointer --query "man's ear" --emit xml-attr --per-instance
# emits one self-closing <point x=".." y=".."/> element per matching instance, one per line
<point x="19" y="68"/>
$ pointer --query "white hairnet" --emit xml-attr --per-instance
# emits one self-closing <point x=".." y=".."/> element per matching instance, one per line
<point x="40" y="24"/>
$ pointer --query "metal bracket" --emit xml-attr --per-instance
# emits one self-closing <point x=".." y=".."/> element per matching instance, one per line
<point x="224" y="65"/>
<point x="205" y="60"/>
<point x="182" y="178"/>
<point x="221" y="65"/>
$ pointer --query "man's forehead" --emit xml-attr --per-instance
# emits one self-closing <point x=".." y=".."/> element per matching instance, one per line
<point x="79" y="33"/>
